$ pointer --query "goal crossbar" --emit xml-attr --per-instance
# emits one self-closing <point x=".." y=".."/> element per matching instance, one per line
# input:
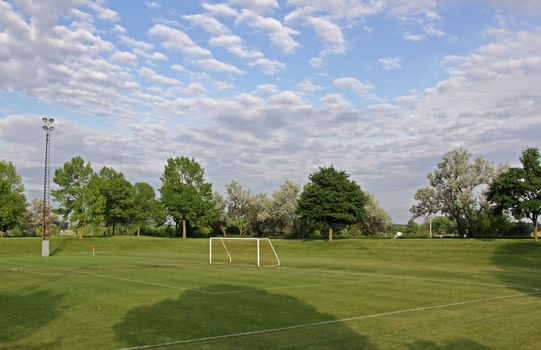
<point x="231" y="256"/>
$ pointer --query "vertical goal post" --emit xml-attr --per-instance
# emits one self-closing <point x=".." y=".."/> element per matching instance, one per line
<point x="258" y="251"/>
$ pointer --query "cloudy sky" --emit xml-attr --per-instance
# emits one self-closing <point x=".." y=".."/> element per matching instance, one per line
<point x="264" y="91"/>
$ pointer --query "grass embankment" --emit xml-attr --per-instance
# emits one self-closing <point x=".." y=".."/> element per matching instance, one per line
<point x="370" y="294"/>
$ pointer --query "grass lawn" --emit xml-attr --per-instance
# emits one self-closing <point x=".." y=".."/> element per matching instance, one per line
<point x="361" y="294"/>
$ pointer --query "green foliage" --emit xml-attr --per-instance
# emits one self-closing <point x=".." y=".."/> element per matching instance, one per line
<point x="146" y="208"/>
<point x="456" y="190"/>
<point x="185" y="193"/>
<point x="114" y="197"/>
<point x="12" y="199"/>
<point x="518" y="190"/>
<point x="73" y="196"/>
<point x="260" y="220"/>
<point x="283" y="209"/>
<point x="331" y="199"/>
<point x="221" y="217"/>
<point x="376" y="220"/>
<point x="238" y="202"/>
<point x="442" y="225"/>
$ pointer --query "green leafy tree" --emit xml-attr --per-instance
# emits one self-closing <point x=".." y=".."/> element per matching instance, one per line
<point x="332" y="199"/>
<point x="456" y="190"/>
<point x="376" y="220"/>
<point x="12" y="199"/>
<point x="113" y="196"/>
<point x="34" y="216"/>
<point x="146" y="208"/>
<point x="442" y="225"/>
<point x="186" y="195"/>
<point x="259" y="214"/>
<point x="427" y="203"/>
<point x="72" y="195"/>
<point x="518" y="190"/>
<point x="221" y="219"/>
<point x="238" y="202"/>
<point x="284" y="208"/>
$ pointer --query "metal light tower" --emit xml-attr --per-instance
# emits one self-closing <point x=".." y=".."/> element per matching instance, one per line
<point x="46" y="231"/>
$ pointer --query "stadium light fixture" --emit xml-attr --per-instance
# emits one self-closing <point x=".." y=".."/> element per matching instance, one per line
<point x="46" y="229"/>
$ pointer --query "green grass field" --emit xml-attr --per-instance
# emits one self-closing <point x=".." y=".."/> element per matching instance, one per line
<point x="362" y="294"/>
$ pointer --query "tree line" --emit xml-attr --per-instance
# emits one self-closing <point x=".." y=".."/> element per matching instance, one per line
<point x="104" y="201"/>
<point x="465" y="197"/>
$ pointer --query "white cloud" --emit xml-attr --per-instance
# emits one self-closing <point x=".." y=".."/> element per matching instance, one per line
<point x="235" y="45"/>
<point x="359" y="87"/>
<point x="416" y="38"/>
<point x="389" y="63"/>
<point x="138" y="44"/>
<point x="259" y="6"/>
<point x="174" y="39"/>
<point x="329" y="32"/>
<point x="220" y="9"/>
<point x="529" y="7"/>
<point x="103" y="12"/>
<point x="268" y="66"/>
<point x="209" y="24"/>
<point x="153" y="4"/>
<point x="123" y="57"/>
<point x="178" y="68"/>
<point x="308" y="86"/>
<point x="214" y="65"/>
<point x="151" y="75"/>
<point x="195" y="89"/>
<point x="341" y="9"/>
<point x="153" y="56"/>
<point x="335" y="102"/>
<point x="280" y="36"/>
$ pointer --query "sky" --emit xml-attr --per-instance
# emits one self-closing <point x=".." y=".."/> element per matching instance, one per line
<point x="264" y="91"/>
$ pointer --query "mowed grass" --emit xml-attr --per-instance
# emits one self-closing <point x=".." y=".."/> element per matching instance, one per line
<point x="361" y="294"/>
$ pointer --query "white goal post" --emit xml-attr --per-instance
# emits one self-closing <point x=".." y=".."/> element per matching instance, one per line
<point x="259" y="251"/>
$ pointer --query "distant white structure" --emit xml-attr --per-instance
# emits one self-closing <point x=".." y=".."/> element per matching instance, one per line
<point x="398" y="234"/>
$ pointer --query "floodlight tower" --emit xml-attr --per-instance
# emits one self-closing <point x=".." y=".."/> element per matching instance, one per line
<point x="46" y="230"/>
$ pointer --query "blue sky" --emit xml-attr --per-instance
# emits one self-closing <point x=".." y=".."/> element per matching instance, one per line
<point x="264" y="91"/>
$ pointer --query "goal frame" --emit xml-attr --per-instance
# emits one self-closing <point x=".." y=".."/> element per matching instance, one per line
<point x="257" y="239"/>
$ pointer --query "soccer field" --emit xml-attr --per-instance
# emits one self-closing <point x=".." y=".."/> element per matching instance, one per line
<point x="361" y="294"/>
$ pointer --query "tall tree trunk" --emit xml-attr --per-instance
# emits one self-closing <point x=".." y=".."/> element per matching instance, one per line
<point x="430" y="224"/>
<point x="222" y="228"/>
<point x="183" y="228"/>
<point x="330" y="234"/>
<point x="81" y="231"/>
<point x="176" y="229"/>
<point x="114" y="226"/>
<point x="138" y="230"/>
<point x="535" y="227"/>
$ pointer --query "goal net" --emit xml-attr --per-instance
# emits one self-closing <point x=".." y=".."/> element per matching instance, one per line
<point x="257" y="251"/>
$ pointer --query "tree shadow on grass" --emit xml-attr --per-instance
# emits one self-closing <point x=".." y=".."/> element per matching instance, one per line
<point x="23" y="314"/>
<point x="225" y="311"/>
<point x="60" y="247"/>
<point x="519" y="264"/>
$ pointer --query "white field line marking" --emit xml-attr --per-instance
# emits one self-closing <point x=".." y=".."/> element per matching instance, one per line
<point x="412" y="278"/>
<point x="314" y="324"/>
<point x="308" y="270"/>
<point x="16" y="269"/>
<point x="303" y="286"/>
<point x="205" y="292"/>
<point x="226" y="292"/>
<point x="137" y="281"/>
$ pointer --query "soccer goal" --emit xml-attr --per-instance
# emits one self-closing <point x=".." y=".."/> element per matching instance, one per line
<point x="258" y="251"/>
